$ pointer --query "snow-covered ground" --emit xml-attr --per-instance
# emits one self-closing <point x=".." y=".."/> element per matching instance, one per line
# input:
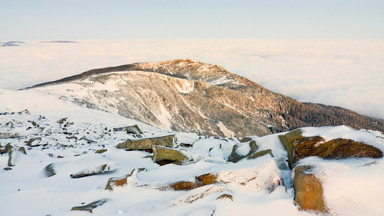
<point x="68" y="137"/>
<point x="346" y="73"/>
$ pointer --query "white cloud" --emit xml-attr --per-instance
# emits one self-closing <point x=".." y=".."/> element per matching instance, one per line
<point x="347" y="73"/>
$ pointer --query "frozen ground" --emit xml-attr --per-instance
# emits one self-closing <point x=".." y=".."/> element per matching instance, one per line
<point x="70" y="136"/>
<point x="347" y="73"/>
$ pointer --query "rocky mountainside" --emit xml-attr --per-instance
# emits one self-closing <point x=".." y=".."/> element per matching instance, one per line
<point x="188" y="95"/>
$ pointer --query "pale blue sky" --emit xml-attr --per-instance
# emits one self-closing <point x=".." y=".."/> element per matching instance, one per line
<point x="103" y="19"/>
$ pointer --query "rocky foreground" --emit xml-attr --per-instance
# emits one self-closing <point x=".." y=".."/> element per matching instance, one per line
<point x="67" y="166"/>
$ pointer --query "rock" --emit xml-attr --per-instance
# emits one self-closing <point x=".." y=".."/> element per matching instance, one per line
<point x="234" y="157"/>
<point x="287" y="141"/>
<point x="209" y="178"/>
<point x="308" y="190"/>
<point x="225" y="197"/>
<point x="33" y="142"/>
<point x="95" y="170"/>
<point x="8" y="168"/>
<point x="89" y="207"/>
<point x="185" y="185"/>
<point x="121" y="181"/>
<point x="299" y="147"/>
<point x="22" y="150"/>
<point x="60" y="156"/>
<point x="245" y="139"/>
<point x="134" y="129"/>
<point x="50" y="170"/>
<point x="147" y="143"/>
<point x="11" y="156"/>
<point x="199" y="193"/>
<point x="261" y="153"/>
<point x="9" y="135"/>
<point x="100" y="151"/>
<point x="164" y="155"/>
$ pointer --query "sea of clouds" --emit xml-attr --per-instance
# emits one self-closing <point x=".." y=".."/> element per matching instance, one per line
<point x="346" y="73"/>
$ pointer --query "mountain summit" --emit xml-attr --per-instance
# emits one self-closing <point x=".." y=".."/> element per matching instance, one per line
<point x="191" y="96"/>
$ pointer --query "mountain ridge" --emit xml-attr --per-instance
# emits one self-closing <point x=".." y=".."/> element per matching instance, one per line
<point x="188" y="95"/>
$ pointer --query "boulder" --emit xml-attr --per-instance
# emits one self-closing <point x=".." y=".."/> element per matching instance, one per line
<point x="299" y="147"/>
<point x="11" y="156"/>
<point x="185" y="185"/>
<point x="89" y="207"/>
<point x="100" y="151"/>
<point x="121" y="181"/>
<point x="234" y="157"/>
<point x="95" y="170"/>
<point x="134" y="129"/>
<point x="147" y="143"/>
<point x="287" y="141"/>
<point x="164" y="155"/>
<point x="50" y="170"/>
<point x="308" y="190"/>
<point x="261" y="153"/>
<point x="34" y="142"/>
<point x="225" y="197"/>
<point x="22" y="150"/>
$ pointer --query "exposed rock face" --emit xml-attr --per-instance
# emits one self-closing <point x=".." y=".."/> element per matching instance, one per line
<point x="147" y="143"/>
<point x="308" y="190"/>
<point x="299" y="147"/>
<point x="188" y="95"/>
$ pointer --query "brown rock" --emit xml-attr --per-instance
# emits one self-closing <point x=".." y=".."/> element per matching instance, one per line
<point x="22" y="150"/>
<point x="308" y="190"/>
<point x="100" y="151"/>
<point x="118" y="181"/>
<point x="208" y="178"/>
<point x="225" y="197"/>
<point x="185" y="185"/>
<point x="299" y="147"/>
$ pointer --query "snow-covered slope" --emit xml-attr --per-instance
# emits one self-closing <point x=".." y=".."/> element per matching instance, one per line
<point x="66" y="137"/>
<point x="188" y="95"/>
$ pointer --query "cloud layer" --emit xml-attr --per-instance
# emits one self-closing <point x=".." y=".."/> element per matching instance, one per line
<point x="347" y="73"/>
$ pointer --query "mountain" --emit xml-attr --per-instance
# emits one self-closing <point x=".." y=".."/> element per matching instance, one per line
<point x="191" y="96"/>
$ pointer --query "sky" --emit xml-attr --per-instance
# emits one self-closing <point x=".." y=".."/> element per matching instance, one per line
<point x="101" y="19"/>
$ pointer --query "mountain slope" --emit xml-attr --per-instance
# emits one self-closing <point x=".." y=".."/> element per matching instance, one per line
<point x="188" y="95"/>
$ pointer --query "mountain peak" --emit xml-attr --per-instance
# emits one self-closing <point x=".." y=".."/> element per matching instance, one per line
<point x="192" y="96"/>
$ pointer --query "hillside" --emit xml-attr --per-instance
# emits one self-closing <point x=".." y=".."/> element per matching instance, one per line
<point x="191" y="96"/>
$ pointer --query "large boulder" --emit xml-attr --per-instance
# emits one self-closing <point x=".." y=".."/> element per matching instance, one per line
<point x="164" y="155"/>
<point x="299" y="147"/>
<point x="308" y="190"/>
<point x="147" y="143"/>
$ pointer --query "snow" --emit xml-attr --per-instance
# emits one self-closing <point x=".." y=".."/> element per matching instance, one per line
<point x="351" y="186"/>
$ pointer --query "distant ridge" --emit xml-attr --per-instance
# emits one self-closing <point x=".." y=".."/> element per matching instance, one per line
<point x="188" y="95"/>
